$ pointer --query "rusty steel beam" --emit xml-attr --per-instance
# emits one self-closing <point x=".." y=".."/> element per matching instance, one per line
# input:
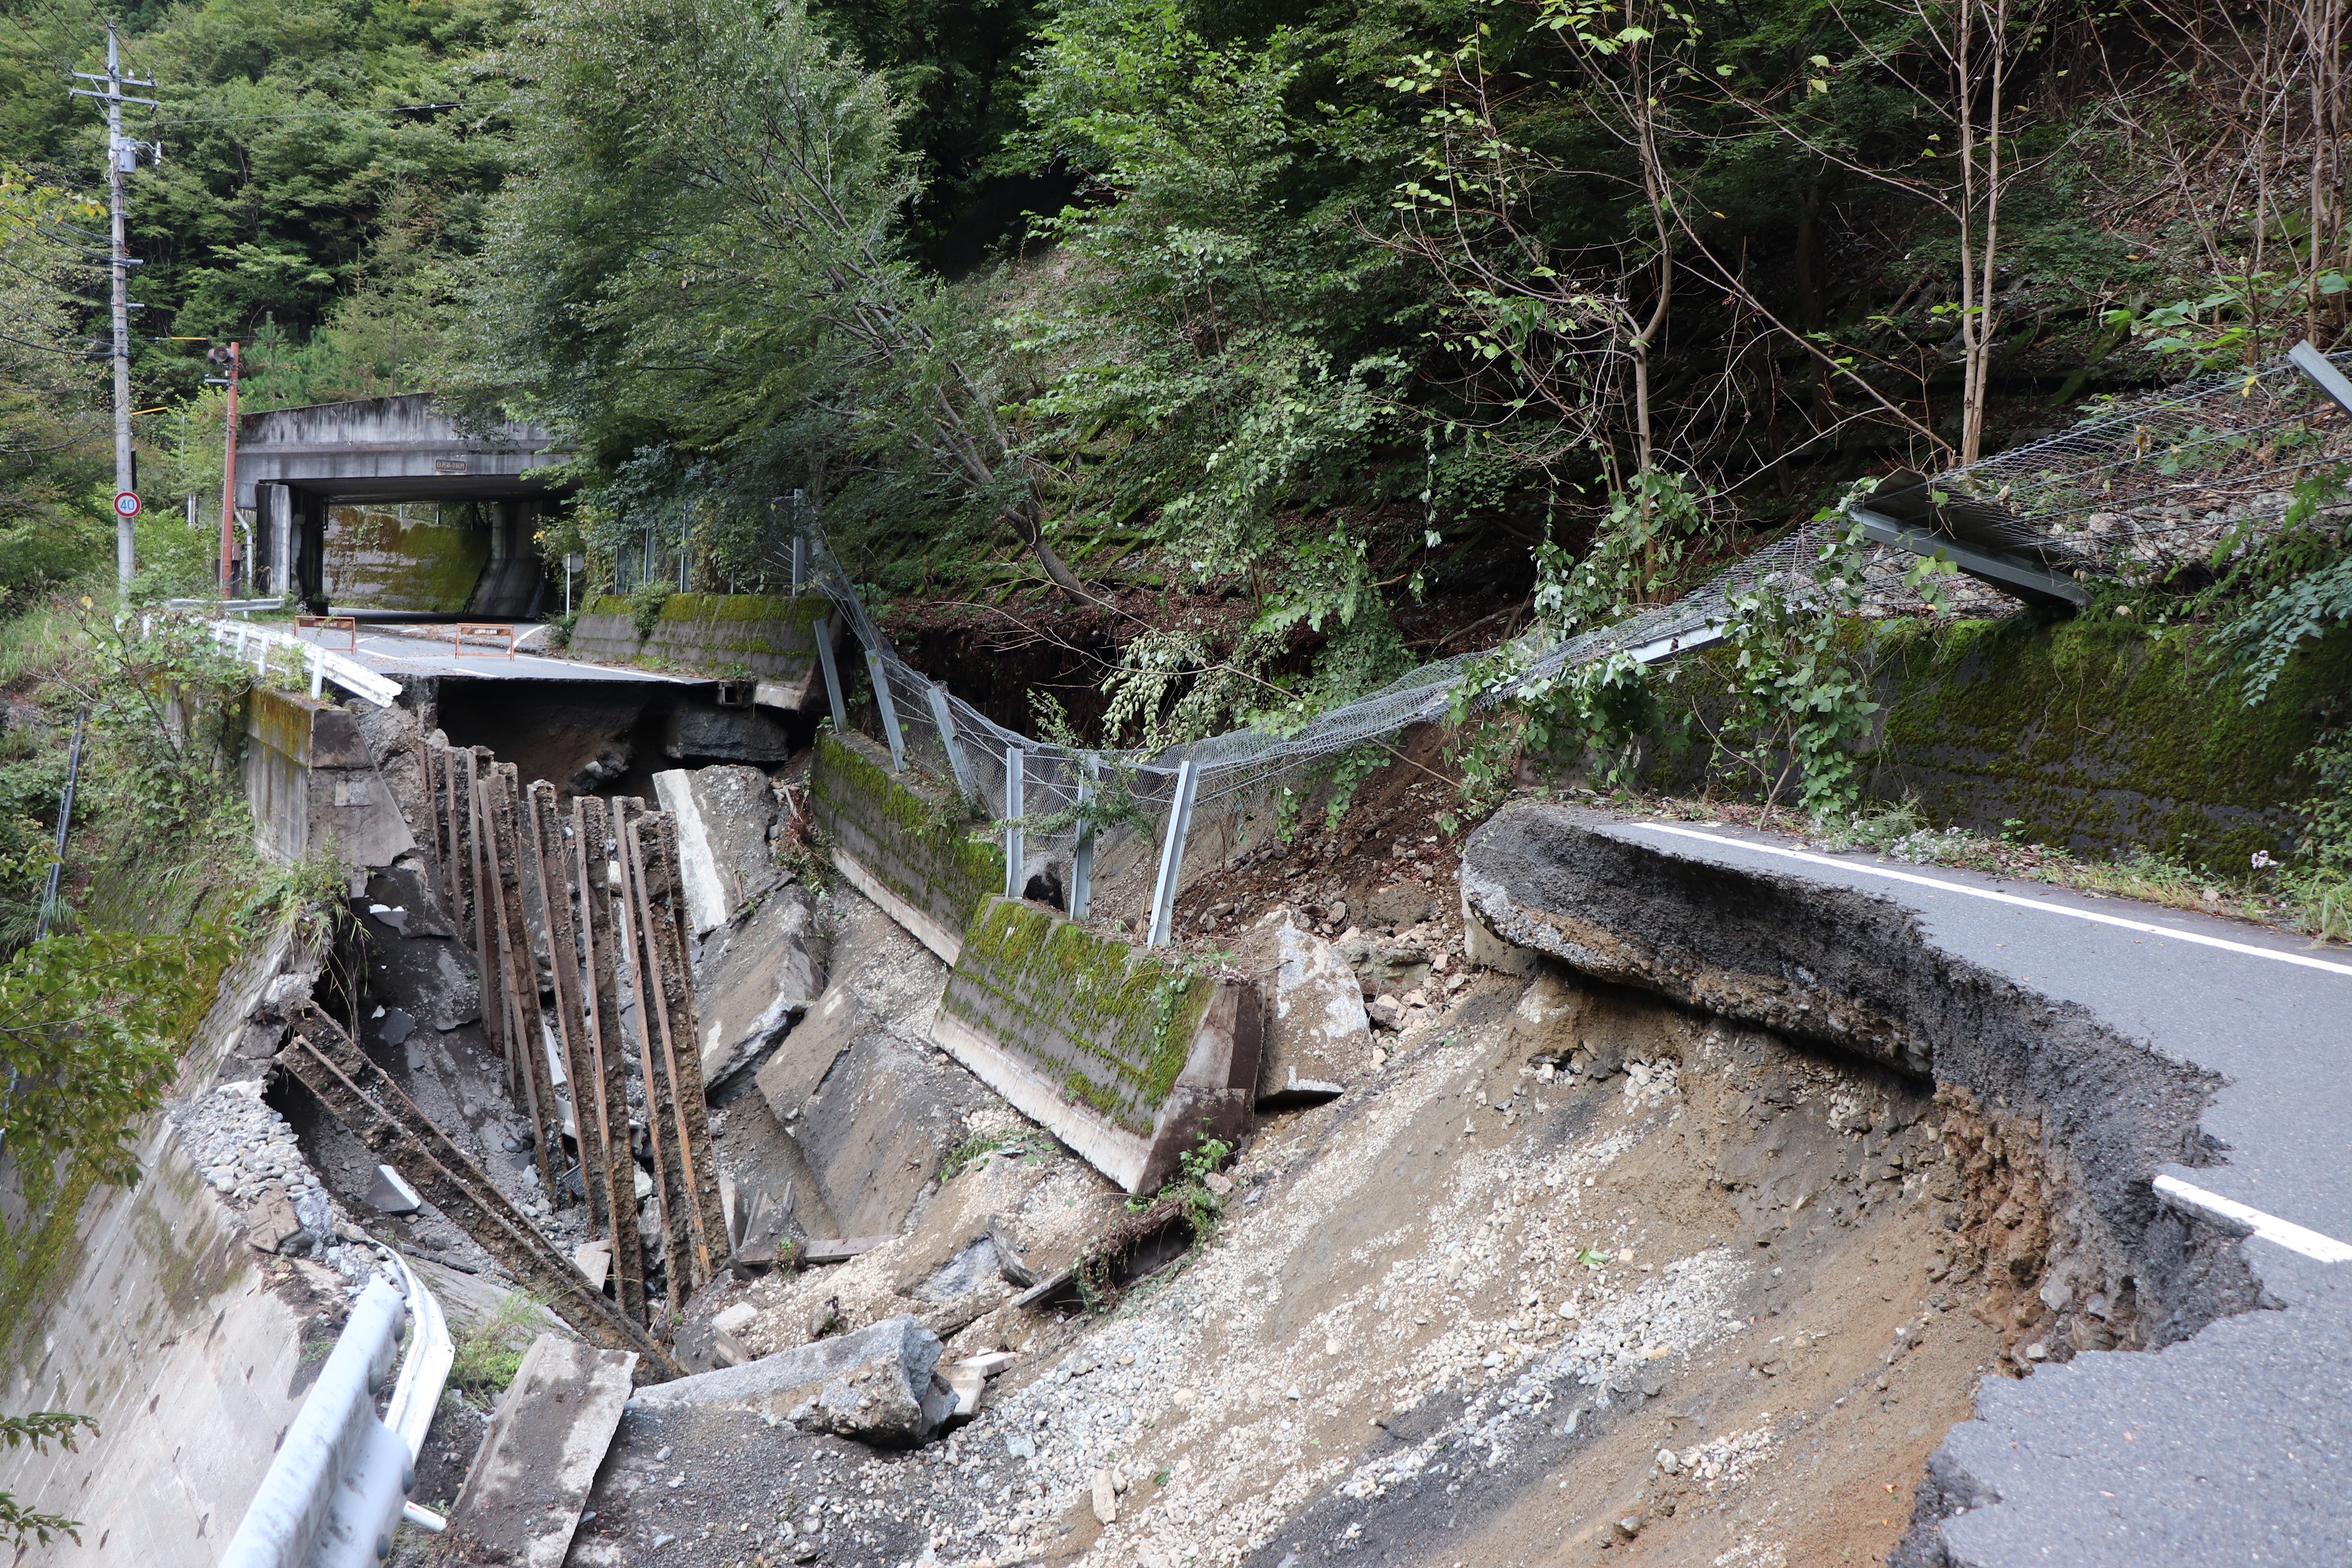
<point x="661" y="895"/>
<point x="591" y="847"/>
<point x="373" y="1108"/>
<point x="551" y="857"/>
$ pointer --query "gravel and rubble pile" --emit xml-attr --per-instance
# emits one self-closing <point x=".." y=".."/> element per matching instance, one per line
<point x="248" y="1155"/>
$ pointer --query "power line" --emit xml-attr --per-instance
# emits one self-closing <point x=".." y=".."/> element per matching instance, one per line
<point x="308" y="114"/>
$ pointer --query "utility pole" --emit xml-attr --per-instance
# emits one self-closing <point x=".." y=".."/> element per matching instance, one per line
<point x="228" y="474"/>
<point x="121" y="158"/>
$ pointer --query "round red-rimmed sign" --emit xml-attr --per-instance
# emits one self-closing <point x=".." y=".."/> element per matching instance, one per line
<point x="126" y="503"/>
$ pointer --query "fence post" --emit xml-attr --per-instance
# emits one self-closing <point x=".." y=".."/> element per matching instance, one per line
<point x="945" y="721"/>
<point x="1082" y="856"/>
<point x="823" y="627"/>
<point x="889" y="710"/>
<point x="1171" y="855"/>
<point x="1016" y="770"/>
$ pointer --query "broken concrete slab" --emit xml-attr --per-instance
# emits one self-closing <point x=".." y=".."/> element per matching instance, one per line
<point x="880" y="1126"/>
<point x="1318" y="1037"/>
<point x="876" y="1384"/>
<point x="735" y="1318"/>
<point x="724" y="817"/>
<point x="389" y="1193"/>
<point x="792" y="1077"/>
<point x="839" y="1248"/>
<point x="1126" y="1059"/>
<point x="522" y="1500"/>
<point x="756" y="981"/>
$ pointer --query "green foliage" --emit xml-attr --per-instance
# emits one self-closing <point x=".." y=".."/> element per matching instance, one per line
<point x="1798" y="708"/>
<point x="20" y="1526"/>
<point x="2306" y="573"/>
<point x="490" y="1349"/>
<point x="90" y="1027"/>
<point x="646" y="605"/>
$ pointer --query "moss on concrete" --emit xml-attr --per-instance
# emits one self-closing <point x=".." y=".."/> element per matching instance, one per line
<point x="728" y="635"/>
<point x="1114" y="1022"/>
<point x="922" y="848"/>
<point x="2101" y="736"/>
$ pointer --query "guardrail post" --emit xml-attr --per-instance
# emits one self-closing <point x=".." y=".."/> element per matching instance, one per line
<point x="1171" y="855"/>
<point x="944" y="719"/>
<point x="1082" y="857"/>
<point x="823" y="627"/>
<point x="1016" y="770"/>
<point x="889" y="710"/>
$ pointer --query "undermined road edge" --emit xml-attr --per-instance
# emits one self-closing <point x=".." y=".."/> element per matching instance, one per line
<point x="2062" y="1120"/>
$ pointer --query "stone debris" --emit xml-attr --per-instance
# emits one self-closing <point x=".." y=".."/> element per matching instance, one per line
<point x="594" y="1259"/>
<point x="1106" y="1498"/>
<point x="734" y="1319"/>
<point x="876" y="1384"/>
<point x="246" y="1153"/>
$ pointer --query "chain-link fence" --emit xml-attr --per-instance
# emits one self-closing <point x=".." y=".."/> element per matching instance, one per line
<point x="2129" y="485"/>
<point x="2146" y="485"/>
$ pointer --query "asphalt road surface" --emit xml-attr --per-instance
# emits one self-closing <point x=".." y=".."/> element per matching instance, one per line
<point x="2232" y="1447"/>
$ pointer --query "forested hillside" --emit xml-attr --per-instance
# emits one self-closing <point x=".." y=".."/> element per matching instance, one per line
<point x="1306" y="320"/>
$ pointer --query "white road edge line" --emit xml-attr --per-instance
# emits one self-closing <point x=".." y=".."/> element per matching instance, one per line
<point x="2270" y="1228"/>
<point x="2304" y="960"/>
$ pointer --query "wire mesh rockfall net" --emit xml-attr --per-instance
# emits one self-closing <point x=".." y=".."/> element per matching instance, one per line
<point x="2143" y="486"/>
<point x="970" y="752"/>
<point x="2132" y="488"/>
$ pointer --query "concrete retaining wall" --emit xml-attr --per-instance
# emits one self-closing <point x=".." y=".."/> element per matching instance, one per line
<point x="158" y="1321"/>
<point x="1122" y="1055"/>
<point x="902" y="848"/>
<point x="2100" y="736"/>
<point x="313" y="785"/>
<point x="749" y="636"/>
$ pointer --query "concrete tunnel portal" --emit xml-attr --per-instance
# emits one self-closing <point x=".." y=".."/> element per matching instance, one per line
<point x="386" y="503"/>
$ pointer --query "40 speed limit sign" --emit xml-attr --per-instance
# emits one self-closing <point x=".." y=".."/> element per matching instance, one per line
<point x="126" y="503"/>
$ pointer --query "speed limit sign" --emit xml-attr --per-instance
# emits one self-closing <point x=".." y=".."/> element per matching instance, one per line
<point x="126" y="503"/>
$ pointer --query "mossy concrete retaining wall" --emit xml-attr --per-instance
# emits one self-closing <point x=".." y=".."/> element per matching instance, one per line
<point x="905" y="848"/>
<point x="749" y="636"/>
<point x="2100" y="736"/>
<point x="1124" y="1057"/>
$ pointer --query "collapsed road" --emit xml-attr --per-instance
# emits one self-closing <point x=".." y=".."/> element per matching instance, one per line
<point x="2235" y="1443"/>
<point x="1671" y="1195"/>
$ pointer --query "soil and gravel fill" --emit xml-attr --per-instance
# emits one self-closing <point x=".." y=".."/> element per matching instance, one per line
<point x="1575" y="1275"/>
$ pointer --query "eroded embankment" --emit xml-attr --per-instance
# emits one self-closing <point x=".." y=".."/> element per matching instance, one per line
<point x="1572" y="1269"/>
<point x="2057" y="1121"/>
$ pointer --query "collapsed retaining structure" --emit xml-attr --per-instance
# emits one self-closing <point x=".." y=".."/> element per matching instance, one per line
<point x="1129" y="1058"/>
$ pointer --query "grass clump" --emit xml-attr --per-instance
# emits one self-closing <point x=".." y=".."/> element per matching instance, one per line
<point x="490" y="1350"/>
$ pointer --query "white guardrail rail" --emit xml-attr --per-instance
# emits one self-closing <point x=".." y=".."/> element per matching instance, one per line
<point x="256" y="643"/>
<point x="340" y="1482"/>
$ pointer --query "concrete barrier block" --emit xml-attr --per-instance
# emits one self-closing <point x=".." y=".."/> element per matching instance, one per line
<point x="1124" y="1057"/>
<point x="912" y="852"/>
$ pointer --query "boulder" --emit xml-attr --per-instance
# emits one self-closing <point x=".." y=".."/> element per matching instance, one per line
<point x="724" y="816"/>
<point x="755" y="981"/>
<point x="1318" y="1038"/>
<point x="877" y="1386"/>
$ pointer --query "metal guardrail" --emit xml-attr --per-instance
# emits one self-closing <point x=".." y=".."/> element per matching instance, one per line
<point x="323" y="664"/>
<point x="340" y="1482"/>
<point x="227" y="607"/>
